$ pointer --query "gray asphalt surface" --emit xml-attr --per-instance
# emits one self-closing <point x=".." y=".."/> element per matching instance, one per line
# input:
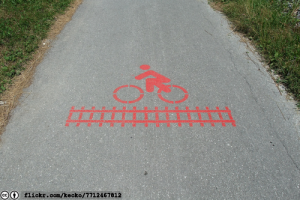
<point x="102" y="48"/>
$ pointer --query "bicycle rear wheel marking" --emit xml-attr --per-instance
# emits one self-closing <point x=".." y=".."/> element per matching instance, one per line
<point x="133" y="101"/>
<point x="186" y="95"/>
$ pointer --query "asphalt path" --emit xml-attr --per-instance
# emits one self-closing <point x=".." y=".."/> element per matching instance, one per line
<point x="249" y="151"/>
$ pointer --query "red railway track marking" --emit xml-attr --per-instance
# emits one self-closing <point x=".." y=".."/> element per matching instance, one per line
<point x="146" y="119"/>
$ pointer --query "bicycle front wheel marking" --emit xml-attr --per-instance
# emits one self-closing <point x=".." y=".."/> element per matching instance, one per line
<point x="186" y="95"/>
<point x="133" y="101"/>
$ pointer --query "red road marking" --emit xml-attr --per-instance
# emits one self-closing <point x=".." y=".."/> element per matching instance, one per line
<point x="124" y="86"/>
<point x="189" y="116"/>
<point x="144" y="67"/>
<point x="230" y="117"/>
<point x="140" y="89"/>
<point x="151" y="111"/>
<point x="220" y="115"/>
<point x="151" y="121"/>
<point x="156" y="116"/>
<point x="167" y="116"/>
<point x="178" y="117"/>
<point x="123" y="116"/>
<point x="146" y="117"/>
<point x="146" y="121"/>
<point x="117" y="89"/>
<point x="158" y="81"/>
<point x="150" y="83"/>
<point x="102" y="116"/>
<point x="134" y="117"/>
<point x="80" y="116"/>
<point x="113" y="117"/>
<point x="119" y="100"/>
<point x="210" y="117"/>
<point x="91" y="116"/>
<point x="199" y="115"/>
<point x="70" y="115"/>
<point x="186" y="95"/>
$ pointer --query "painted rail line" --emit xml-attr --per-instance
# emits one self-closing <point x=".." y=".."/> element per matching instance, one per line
<point x="179" y="113"/>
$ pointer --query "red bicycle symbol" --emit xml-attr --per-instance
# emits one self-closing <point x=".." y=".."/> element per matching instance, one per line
<point x="158" y="81"/>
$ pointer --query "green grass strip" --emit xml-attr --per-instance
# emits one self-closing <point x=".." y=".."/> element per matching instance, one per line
<point x="23" y="24"/>
<point x="271" y="24"/>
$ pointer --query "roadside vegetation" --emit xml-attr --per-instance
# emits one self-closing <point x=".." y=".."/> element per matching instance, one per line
<point x="23" y="25"/>
<point x="27" y="28"/>
<point x="273" y="27"/>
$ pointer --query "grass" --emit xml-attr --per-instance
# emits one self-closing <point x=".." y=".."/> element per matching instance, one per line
<point x="23" y="25"/>
<point x="271" y="25"/>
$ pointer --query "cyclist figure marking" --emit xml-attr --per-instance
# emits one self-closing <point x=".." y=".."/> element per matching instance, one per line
<point x="151" y="82"/>
<point x="157" y="81"/>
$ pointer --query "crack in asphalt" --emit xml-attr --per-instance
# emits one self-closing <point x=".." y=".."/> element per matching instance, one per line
<point x="253" y="96"/>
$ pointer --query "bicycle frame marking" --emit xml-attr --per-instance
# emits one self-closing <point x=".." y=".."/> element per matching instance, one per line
<point x="146" y="120"/>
